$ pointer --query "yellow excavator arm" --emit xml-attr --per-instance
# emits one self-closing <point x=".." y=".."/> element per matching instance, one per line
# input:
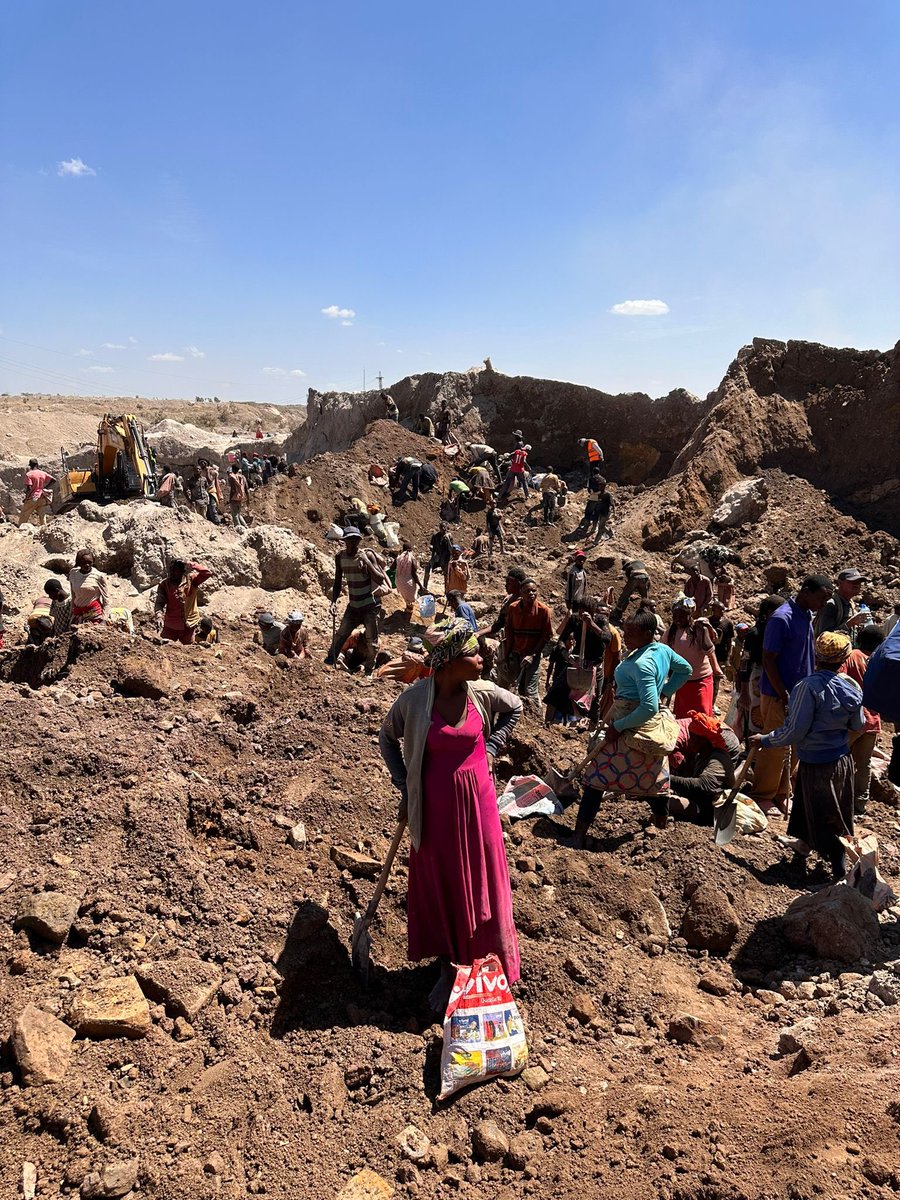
<point x="124" y="467"/>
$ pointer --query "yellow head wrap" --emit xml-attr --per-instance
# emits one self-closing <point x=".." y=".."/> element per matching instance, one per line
<point x="833" y="648"/>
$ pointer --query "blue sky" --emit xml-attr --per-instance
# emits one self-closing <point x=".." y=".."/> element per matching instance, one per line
<point x="200" y="180"/>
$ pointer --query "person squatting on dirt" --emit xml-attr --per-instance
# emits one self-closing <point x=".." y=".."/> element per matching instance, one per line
<point x="294" y="639"/>
<point x="650" y="673"/>
<point x="51" y="614"/>
<point x="823" y="710"/>
<point x="269" y="633"/>
<point x="439" y="740"/>
<point x="701" y="767"/>
<point x="366" y="583"/>
<point x="176" y="599"/>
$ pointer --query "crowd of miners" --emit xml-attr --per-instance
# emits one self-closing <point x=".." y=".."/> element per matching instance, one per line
<point x="641" y="677"/>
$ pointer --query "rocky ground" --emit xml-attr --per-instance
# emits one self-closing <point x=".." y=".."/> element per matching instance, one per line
<point x="190" y="833"/>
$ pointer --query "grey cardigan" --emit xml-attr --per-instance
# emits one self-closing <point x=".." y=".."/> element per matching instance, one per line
<point x="409" y="719"/>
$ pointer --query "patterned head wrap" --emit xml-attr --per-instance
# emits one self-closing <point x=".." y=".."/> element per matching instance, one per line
<point x="452" y="639"/>
<point x="833" y="648"/>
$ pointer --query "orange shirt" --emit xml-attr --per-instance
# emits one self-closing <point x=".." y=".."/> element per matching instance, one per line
<point x="527" y="629"/>
<point x="457" y="576"/>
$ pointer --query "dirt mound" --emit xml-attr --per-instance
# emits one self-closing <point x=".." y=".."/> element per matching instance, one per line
<point x="178" y="444"/>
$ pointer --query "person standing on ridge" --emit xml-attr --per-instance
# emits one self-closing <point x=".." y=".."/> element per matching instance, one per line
<point x="594" y="453"/>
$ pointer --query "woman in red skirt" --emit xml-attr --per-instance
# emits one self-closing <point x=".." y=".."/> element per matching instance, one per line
<point x="691" y="637"/>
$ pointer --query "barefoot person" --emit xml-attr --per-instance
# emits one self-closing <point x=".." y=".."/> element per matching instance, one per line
<point x="451" y="726"/>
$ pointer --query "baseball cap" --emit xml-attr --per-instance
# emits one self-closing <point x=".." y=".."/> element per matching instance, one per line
<point x="851" y="575"/>
<point x="581" y="553"/>
<point x="265" y="620"/>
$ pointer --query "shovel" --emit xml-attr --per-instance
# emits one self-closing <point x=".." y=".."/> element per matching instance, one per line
<point x="360" y="940"/>
<point x="726" y="813"/>
<point x="562" y="784"/>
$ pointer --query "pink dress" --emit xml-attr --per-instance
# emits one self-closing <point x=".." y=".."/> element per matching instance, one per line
<point x="459" y="903"/>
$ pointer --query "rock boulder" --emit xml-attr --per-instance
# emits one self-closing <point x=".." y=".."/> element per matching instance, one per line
<point x="42" y="1046"/>
<point x="710" y="922"/>
<point x="744" y="502"/>
<point x="837" y="922"/>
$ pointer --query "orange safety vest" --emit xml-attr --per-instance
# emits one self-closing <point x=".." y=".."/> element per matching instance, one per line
<point x="594" y="452"/>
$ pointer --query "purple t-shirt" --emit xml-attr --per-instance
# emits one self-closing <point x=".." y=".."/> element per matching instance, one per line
<point x="789" y="635"/>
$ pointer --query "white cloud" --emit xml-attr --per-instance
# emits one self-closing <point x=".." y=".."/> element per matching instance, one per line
<point x="194" y="352"/>
<point x="640" y="308"/>
<point x="74" y="166"/>
<point x="112" y="346"/>
<point x="346" y="314"/>
<point x="133" y="341"/>
<point x="101" y="370"/>
<point x="82" y="353"/>
<point x="167" y="357"/>
<point x="346" y="323"/>
<point x="299" y="374"/>
<point x="274" y="371"/>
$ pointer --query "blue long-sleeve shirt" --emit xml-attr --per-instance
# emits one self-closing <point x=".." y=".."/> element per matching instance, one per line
<point x="465" y="613"/>
<point x="822" y="709"/>
<point x="646" y="675"/>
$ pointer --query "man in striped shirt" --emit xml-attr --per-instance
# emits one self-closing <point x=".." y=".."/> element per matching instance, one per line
<point x="363" y="575"/>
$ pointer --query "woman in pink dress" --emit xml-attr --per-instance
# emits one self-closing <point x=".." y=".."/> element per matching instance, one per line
<point x="690" y="636"/>
<point x="459" y="904"/>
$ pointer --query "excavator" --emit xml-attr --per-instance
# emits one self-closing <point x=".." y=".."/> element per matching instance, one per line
<point x="124" y="468"/>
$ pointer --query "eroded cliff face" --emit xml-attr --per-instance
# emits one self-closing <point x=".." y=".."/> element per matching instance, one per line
<point x="641" y="437"/>
<point x="829" y="416"/>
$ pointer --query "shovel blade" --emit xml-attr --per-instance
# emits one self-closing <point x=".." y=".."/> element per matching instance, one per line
<point x="361" y="948"/>
<point x="726" y="823"/>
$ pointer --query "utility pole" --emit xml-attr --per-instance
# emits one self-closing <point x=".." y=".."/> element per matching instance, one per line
<point x="380" y="379"/>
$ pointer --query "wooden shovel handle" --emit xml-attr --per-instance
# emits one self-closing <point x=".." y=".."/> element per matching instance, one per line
<point x="385" y="871"/>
